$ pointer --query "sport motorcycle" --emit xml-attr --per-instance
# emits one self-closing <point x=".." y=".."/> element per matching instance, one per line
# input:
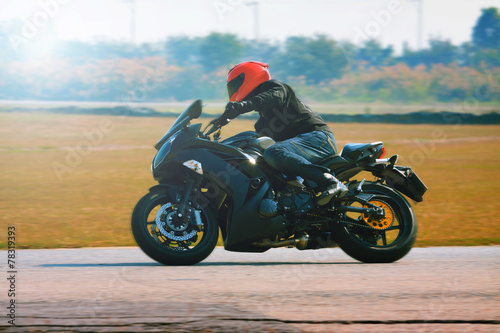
<point x="210" y="189"/>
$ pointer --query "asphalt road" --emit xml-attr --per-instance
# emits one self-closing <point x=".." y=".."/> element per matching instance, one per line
<point x="447" y="289"/>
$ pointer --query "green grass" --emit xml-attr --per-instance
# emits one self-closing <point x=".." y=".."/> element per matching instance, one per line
<point x="91" y="203"/>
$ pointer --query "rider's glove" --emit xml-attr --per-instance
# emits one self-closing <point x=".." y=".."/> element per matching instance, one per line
<point x="234" y="109"/>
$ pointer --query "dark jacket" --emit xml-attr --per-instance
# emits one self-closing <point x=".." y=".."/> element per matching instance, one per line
<point x="282" y="114"/>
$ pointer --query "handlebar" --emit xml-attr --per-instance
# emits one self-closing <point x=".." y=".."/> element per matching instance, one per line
<point x="217" y="124"/>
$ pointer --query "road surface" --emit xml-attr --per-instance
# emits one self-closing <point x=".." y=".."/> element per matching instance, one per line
<point x="446" y="289"/>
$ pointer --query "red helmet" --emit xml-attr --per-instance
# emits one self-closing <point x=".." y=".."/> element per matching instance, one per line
<point x="245" y="77"/>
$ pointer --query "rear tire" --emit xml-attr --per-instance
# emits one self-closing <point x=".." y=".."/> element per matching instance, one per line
<point x="377" y="246"/>
<point x="174" y="249"/>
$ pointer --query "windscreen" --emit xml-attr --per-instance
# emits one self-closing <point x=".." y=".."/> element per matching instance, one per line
<point x="192" y="112"/>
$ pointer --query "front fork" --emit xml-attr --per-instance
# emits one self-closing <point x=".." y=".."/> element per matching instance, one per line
<point x="191" y="183"/>
<point x="184" y="199"/>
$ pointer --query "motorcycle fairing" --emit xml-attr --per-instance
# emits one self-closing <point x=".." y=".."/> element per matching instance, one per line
<point x="172" y="141"/>
<point x="246" y="224"/>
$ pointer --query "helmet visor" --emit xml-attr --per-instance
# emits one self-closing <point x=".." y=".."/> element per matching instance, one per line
<point x="235" y="84"/>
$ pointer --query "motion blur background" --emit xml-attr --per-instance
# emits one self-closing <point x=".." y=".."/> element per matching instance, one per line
<point x="74" y="76"/>
<point x="344" y="51"/>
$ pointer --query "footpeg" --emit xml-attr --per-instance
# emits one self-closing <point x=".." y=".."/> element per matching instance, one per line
<point x="359" y="188"/>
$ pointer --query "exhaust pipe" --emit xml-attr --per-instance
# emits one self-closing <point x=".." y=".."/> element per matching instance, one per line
<point x="300" y="243"/>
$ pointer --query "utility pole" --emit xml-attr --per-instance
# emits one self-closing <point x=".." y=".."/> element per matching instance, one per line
<point x="420" y="23"/>
<point x="255" y="5"/>
<point x="132" y="20"/>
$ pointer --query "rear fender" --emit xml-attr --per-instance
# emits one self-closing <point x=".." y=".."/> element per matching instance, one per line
<point x="404" y="180"/>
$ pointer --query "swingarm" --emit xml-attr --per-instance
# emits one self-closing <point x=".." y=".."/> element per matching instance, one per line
<point x="368" y="208"/>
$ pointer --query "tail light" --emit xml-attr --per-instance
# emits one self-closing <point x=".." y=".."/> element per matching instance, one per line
<point x="384" y="152"/>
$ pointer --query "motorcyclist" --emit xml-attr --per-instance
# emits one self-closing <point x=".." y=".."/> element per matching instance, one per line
<point x="302" y="136"/>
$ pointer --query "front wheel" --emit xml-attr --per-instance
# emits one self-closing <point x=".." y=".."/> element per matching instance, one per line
<point x="381" y="239"/>
<point x="169" y="238"/>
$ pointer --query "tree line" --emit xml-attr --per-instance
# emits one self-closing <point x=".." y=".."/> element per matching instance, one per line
<point x="319" y="67"/>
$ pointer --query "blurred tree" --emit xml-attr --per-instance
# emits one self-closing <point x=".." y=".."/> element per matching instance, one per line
<point x="473" y="56"/>
<point x="76" y="51"/>
<point x="260" y="50"/>
<point x="317" y="59"/>
<point x="374" y="54"/>
<point x="185" y="67"/>
<point x="350" y="50"/>
<point x="486" y="32"/>
<point x="183" y="51"/>
<point x="111" y="50"/>
<point x="410" y="57"/>
<point x="439" y="52"/>
<point x="82" y="52"/>
<point x="220" y="50"/>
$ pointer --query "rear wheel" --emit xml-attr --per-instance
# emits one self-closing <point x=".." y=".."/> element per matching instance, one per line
<point x="377" y="239"/>
<point x="169" y="238"/>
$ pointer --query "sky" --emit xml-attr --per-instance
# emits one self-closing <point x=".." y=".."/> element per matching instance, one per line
<point x="392" y="22"/>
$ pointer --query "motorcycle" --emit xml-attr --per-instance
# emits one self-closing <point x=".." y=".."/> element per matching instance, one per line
<point x="209" y="187"/>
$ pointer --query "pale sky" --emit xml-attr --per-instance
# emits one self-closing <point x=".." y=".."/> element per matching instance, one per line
<point x="390" y="21"/>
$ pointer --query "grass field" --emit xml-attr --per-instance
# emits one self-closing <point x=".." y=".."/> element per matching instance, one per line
<point x="73" y="180"/>
<point x="216" y="107"/>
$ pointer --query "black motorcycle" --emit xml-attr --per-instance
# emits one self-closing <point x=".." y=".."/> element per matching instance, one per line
<point x="207" y="185"/>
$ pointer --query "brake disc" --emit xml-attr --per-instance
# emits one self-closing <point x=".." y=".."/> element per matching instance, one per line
<point x="171" y="226"/>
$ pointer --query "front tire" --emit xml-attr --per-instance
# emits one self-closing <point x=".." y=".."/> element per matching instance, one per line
<point x="170" y="240"/>
<point x="384" y="241"/>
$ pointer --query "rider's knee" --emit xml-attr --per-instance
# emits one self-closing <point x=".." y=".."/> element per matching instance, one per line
<point x="273" y="156"/>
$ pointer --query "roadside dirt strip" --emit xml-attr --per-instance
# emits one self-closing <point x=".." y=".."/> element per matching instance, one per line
<point x="445" y="289"/>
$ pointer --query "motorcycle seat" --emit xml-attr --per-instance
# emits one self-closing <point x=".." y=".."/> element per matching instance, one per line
<point x="333" y="162"/>
<point x="261" y="143"/>
<point x="353" y="150"/>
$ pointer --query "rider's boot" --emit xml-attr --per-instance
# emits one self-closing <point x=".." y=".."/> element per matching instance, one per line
<point x="329" y="187"/>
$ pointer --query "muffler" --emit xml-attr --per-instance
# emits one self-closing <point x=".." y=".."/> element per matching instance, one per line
<point x="300" y="243"/>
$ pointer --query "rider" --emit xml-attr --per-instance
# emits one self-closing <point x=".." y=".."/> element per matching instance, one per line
<point x="302" y="136"/>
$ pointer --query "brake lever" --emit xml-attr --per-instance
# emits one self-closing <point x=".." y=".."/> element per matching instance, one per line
<point x="217" y="124"/>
